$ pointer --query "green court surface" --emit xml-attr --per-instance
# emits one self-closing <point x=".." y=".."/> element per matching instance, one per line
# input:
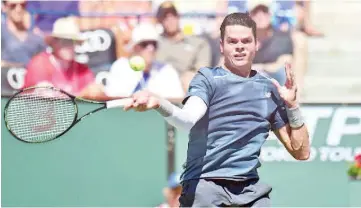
<point x="112" y="158"/>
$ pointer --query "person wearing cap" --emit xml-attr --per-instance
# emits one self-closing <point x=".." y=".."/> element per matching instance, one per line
<point x="18" y="43"/>
<point x="172" y="192"/>
<point x="57" y="66"/>
<point x="274" y="47"/>
<point x="157" y="77"/>
<point x="186" y="53"/>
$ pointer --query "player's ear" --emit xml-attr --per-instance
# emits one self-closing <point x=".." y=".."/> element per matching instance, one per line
<point x="221" y="46"/>
<point x="257" y="45"/>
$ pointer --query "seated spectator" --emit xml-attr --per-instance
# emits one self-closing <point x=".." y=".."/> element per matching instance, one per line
<point x="172" y="192"/>
<point x="275" y="47"/>
<point x="58" y="68"/>
<point x="18" y="44"/>
<point x="303" y="11"/>
<point x="186" y="53"/>
<point x="50" y="11"/>
<point x="213" y="35"/>
<point x="284" y="15"/>
<point x="159" y="78"/>
<point x="290" y="15"/>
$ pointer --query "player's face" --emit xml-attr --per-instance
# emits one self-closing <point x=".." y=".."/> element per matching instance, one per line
<point x="238" y="46"/>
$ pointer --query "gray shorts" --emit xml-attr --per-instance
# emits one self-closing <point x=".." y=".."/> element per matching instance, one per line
<point x="224" y="193"/>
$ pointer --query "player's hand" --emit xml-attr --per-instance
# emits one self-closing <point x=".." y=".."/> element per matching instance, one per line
<point x="288" y="92"/>
<point x="143" y="101"/>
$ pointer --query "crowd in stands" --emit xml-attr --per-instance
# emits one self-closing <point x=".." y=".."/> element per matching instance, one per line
<point x="83" y="47"/>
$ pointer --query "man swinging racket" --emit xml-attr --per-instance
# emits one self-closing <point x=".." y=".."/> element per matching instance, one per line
<point x="229" y="111"/>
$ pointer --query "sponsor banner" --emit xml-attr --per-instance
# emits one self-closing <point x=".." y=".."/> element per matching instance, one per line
<point x="12" y="80"/>
<point x="335" y="135"/>
<point x="98" y="49"/>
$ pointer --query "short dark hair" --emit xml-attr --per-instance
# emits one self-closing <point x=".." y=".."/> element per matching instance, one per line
<point x="165" y="8"/>
<point x="238" y="19"/>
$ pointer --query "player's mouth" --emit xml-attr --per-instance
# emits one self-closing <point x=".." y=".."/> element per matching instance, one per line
<point x="239" y="56"/>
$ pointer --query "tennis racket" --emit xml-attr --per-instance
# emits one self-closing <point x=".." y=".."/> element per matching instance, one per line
<point x="41" y="114"/>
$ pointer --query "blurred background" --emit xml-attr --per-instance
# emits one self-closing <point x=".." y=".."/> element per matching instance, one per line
<point x="131" y="159"/>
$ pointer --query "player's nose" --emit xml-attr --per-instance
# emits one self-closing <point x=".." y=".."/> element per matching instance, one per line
<point x="240" y="48"/>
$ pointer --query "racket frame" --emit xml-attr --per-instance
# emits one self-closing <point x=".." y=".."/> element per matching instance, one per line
<point x="73" y="99"/>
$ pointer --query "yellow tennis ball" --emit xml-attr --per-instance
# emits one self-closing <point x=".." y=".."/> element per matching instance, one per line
<point x="137" y="63"/>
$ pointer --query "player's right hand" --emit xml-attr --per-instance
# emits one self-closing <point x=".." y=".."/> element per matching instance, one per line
<point x="143" y="101"/>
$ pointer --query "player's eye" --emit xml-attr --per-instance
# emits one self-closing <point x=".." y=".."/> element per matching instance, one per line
<point x="246" y="40"/>
<point x="232" y="41"/>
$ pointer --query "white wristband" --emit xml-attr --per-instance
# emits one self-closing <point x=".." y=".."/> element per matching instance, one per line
<point x="294" y="116"/>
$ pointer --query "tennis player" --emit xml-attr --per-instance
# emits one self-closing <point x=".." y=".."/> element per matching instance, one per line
<point x="229" y="111"/>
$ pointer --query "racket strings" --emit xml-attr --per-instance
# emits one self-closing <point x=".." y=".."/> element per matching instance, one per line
<point x="38" y="115"/>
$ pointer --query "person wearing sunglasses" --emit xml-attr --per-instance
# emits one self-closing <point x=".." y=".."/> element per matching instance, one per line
<point x="18" y="44"/>
<point x="159" y="78"/>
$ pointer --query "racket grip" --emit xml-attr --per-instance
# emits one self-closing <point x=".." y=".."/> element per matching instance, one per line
<point x="118" y="103"/>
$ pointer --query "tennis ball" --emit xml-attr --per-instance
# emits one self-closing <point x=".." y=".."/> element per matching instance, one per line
<point x="137" y="63"/>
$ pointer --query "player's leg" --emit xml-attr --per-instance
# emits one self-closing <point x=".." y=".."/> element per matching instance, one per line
<point x="251" y="193"/>
<point x="203" y="193"/>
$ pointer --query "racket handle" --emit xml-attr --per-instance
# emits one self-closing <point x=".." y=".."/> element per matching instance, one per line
<point x="118" y="103"/>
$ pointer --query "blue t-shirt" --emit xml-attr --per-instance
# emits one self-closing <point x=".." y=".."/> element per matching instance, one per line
<point x="283" y="12"/>
<point x="47" y="12"/>
<point x="17" y="51"/>
<point x="226" y="141"/>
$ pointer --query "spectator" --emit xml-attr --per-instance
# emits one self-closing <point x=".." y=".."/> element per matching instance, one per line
<point x="275" y="47"/>
<point x="303" y="9"/>
<point x="50" y="11"/>
<point x="213" y="35"/>
<point x="294" y="14"/>
<point x="58" y="68"/>
<point x="172" y="192"/>
<point x="186" y="53"/>
<point x="294" y="17"/>
<point x="18" y="44"/>
<point x="161" y="79"/>
<point x="284" y="15"/>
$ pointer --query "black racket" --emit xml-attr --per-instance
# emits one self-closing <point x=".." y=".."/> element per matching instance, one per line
<point x="41" y="114"/>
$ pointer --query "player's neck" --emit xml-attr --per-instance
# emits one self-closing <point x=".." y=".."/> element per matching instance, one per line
<point x="244" y="71"/>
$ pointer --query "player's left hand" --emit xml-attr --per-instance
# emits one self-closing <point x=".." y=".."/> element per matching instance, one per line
<point x="288" y="92"/>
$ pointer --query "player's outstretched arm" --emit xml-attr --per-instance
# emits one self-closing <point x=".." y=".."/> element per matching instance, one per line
<point x="182" y="118"/>
<point x="293" y="135"/>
